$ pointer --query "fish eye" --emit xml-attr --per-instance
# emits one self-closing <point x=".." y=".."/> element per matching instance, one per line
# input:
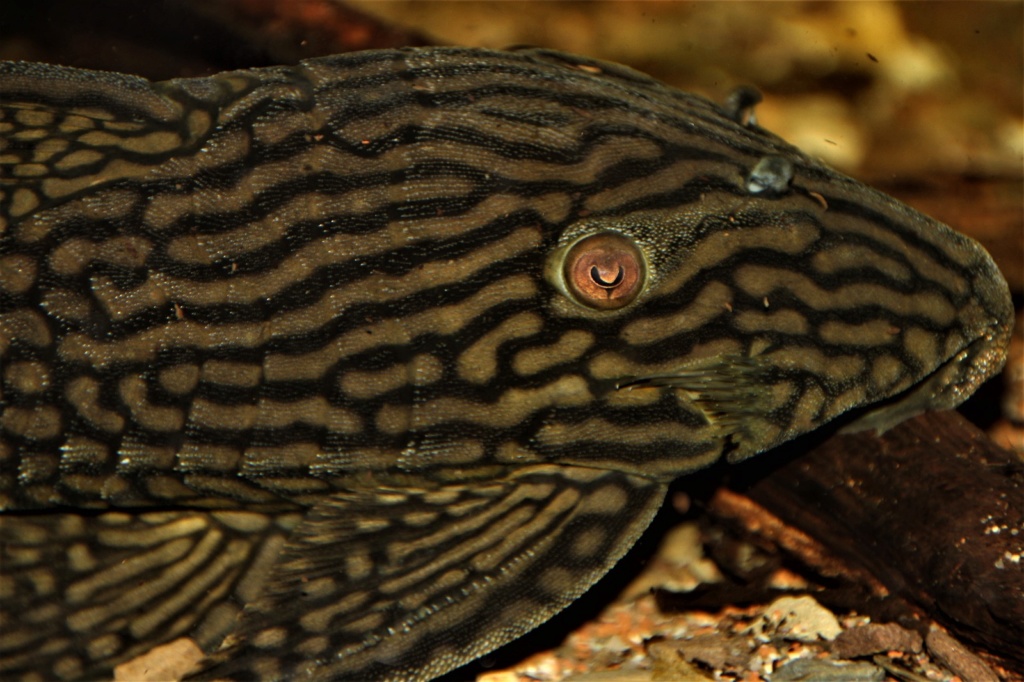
<point x="604" y="271"/>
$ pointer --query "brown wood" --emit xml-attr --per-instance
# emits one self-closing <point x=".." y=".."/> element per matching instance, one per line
<point x="933" y="509"/>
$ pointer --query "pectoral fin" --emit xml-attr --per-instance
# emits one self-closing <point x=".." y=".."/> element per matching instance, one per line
<point x="729" y="392"/>
<point x="408" y="584"/>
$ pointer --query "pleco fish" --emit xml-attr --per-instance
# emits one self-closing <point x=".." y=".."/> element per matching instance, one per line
<point x="361" y="368"/>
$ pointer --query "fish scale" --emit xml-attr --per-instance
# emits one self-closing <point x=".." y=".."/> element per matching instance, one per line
<point x="361" y="368"/>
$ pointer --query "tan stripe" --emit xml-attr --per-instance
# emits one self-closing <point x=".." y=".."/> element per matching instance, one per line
<point x="179" y="379"/>
<point x="571" y="346"/>
<point x="886" y="372"/>
<point x="513" y="406"/>
<point x="223" y="372"/>
<point x="120" y="304"/>
<point x="871" y="333"/>
<point x="82" y="157"/>
<point x="79" y="450"/>
<point x="72" y="256"/>
<point x="67" y="305"/>
<point x="135" y="456"/>
<point x="443" y="320"/>
<point x="420" y="371"/>
<point x="116" y="169"/>
<point x="302" y="263"/>
<point x="135" y="396"/>
<point x="668" y="179"/>
<point x="381" y="287"/>
<point x="838" y="368"/>
<point x="28" y="326"/>
<point x="22" y="202"/>
<point x="45" y="151"/>
<point x="206" y="457"/>
<point x="199" y="584"/>
<point x="267" y="459"/>
<point x="314" y="411"/>
<point x="710" y="303"/>
<point x="27" y="377"/>
<point x="923" y="346"/>
<point x="40" y="422"/>
<point x="809" y="409"/>
<point x="170" y="550"/>
<point x="758" y="280"/>
<point x="715" y="248"/>
<point x="923" y="264"/>
<point x="34" y="117"/>
<point x="240" y="416"/>
<point x="83" y="392"/>
<point x="479" y="362"/>
<point x="784" y="321"/>
<point x="88" y="619"/>
<point x="119" y="531"/>
<point x="600" y="430"/>
<point x="842" y="257"/>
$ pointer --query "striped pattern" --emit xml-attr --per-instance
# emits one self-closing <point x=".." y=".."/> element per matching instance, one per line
<point x="310" y="326"/>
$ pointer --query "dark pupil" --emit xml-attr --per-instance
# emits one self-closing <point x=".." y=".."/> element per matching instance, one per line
<point x="595" y="274"/>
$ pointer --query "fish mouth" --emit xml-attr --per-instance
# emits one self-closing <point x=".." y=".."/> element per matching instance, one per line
<point x="974" y="364"/>
<point x="991" y="318"/>
<point x="986" y="325"/>
<point x="949" y="385"/>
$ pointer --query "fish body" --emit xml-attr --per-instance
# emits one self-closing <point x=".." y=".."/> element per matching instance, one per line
<point x="360" y="368"/>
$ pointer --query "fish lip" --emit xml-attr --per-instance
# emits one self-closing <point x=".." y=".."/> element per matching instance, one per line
<point x="984" y="356"/>
<point x="986" y="350"/>
<point x="952" y="382"/>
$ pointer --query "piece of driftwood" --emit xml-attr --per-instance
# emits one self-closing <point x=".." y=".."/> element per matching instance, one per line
<point x="933" y="509"/>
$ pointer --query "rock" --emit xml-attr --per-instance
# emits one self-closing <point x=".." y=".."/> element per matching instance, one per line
<point x="169" y="661"/>
<point x="715" y="651"/>
<point x="876" y="638"/>
<point x="798" y="619"/>
<point x="821" y="670"/>
<point x="669" y="664"/>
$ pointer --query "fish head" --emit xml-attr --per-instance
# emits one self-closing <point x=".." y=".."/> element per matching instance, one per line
<point x="759" y="304"/>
